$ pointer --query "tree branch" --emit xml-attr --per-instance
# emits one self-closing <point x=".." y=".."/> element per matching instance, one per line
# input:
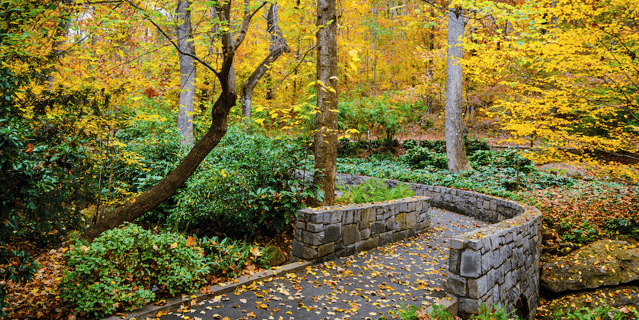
<point x="196" y="58"/>
<point x="245" y="23"/>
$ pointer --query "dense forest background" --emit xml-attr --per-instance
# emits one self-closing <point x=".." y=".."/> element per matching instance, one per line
<point x="102" y="100"/>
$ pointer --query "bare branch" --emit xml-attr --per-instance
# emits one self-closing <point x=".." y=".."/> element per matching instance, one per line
<point x="298" y="65"/>
<point x="245" y="23"/>
<point x="146" y="16"/>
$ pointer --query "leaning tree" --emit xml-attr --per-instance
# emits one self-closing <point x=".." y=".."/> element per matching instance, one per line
<point x="164" y="189"/>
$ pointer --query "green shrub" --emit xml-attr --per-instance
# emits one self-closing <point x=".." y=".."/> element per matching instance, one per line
<point x="157" y="151"/>
<point x="599" y="313"/>
<point x="225" y="257"/>
<point x="494" y="313"/>
<point x="422" y="157"/>
<point x="485" y="179"/>
<point x="124" y="267"/>
<point x="438" y="312"/>
<point x="403" y="312"/>
<point x="373" y="190"/>
<point x="245" y="187"/>
<point x="474" y="145"/>
<point x="624" y="226"/>
<point x="410" y="144"/>
<point x="586" y="232"/>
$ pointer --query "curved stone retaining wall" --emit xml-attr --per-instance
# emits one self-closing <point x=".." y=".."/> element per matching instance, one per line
<point x="498" y="264"/>
<point x="330" y="232"/>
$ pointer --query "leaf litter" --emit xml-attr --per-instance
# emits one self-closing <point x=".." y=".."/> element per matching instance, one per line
<point x="364" y="286"/>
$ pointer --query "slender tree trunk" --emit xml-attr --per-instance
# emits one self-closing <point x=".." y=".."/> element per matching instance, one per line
<point x="277" y="47"/>
<point x="187" y="73"/>
<point x="164" y="189"/>
<point x="455" y="150"/>
<point x="326" y="117"/>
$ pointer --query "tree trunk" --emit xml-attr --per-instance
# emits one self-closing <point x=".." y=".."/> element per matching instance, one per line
<point x="277" y="47"/>
<point x="152" y="198"/>
<point x="187" y="73"/>
<point x="164" y="189"/>
<point x="455" y="150"/>
<point x="326" y="117"/>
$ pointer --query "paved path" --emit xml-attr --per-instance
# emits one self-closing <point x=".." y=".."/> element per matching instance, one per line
<point x="364" y="286"/>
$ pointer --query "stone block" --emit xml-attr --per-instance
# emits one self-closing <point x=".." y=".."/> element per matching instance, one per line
<point x="411" y="206"/>
<point x="297" y="250"/>
<point x="470" y="265"/>
<point x="316" y="217"/>
<point x="456" y="243"/>
<point x="475" y="244"/>
<point x="411" y="220"/>
<point x="508" y="281"/>
<point x="410" y="233"/>
<point x="298" y="235"/>
<point x="377" y="228"/>
<point x="389" y="225"/>
<point x="365" y="234"/>
<point x="350" y="236"/>
<point x="403" y="206"/>
<point x="314" y="239"/>
<point x="499" y="275"/>
<point x="497" y="258"/>
<point x="326" y="249"/>
<point x="477" y="288"/>
<point x="426" y="223"/>
<point x="486" y="245"/>
<point x="509" y="237"/>
<point x="309" y="253"/>
<point x="385" y="238"/>
<point x="469" y="305"/>
<point x="508" y="264"/>
<point x="397" y="236"/>
<point x="456" y="285"/>
<point x="505" y="252"/>
<point x="364" y="220"/>
<point x="486" y="262"/>
<point x="490" y="278"/>
<point x="400" y="221"/>
<point x="336" y="217"/>
<point x="350" y="250"/>
<point x="454" y="258"/>
<point x="332" y="233"/>
<point x="302" y="215"/>
<point x="367" y="244"/>
<point x="349" y="217"/>
<point x="314" y="227"/>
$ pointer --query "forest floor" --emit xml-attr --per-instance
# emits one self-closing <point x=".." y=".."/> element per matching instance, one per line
<point x="574" y="215"/>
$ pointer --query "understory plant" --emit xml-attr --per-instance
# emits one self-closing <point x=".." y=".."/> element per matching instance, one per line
<point x="373" y="190"/>
<point x="126" y="267"/>
<point x="600" y="313"/>
<point x="246" y="187"/>
<point x="437" y="312"/>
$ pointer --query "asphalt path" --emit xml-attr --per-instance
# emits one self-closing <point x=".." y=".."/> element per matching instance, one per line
<point x="363" y="286"/>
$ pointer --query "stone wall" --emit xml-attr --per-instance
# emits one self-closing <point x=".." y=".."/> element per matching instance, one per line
<point x="498" y="264"/>
<point x="327" y="233"/>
